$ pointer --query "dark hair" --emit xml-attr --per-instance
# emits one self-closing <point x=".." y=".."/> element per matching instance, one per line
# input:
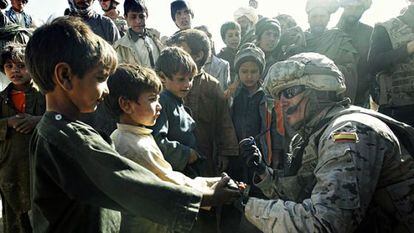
<point x="174" y="60"/>
<point x="196" y="40"/>
<point x="179" y="5"/>
<point x="69" y="40"/>
<point x="135" y="6"/>
<point x="228" y="26"/>
<point x="13" y="52"/>
<point x="129" y="82"/>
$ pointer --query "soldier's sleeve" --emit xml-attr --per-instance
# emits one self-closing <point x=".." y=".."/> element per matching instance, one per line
<point x="174" y="152"/>
<point x="88" y="169"/>
<point x="348" y="167"/>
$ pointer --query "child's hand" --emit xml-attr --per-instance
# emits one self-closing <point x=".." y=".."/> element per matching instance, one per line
<point x="26" y="123"/>
<point x="220" y="195"/>
<point x="13" y="121"/>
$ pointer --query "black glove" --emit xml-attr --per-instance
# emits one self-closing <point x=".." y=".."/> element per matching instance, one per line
<point x="3" y="4"/>
<point x="252" y="156"/>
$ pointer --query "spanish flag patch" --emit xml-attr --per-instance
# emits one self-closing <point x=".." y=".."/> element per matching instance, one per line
<point x="345" y="137"/>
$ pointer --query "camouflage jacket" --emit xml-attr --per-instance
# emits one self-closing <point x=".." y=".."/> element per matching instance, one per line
<point x="352" y="176"/>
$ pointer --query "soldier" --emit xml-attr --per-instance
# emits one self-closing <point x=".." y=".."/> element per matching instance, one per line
<point x="109" y="7"/>
<point x="346" y="171"/>
<point x="360" y="34"/>
<point x="391" y="49"/>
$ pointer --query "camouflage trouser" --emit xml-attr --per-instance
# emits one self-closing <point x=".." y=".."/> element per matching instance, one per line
<point x="15" y="222"/>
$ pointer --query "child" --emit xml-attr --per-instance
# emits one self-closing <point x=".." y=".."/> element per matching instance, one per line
<point x="21" y="108"/>
<point x="230" y="34"/>
<point x="78" y="179"/>
<point x="137" y="107"/>
<point x="174" y="130"/>
<point x="216" y="139"/>
<point x="140" y="45"/>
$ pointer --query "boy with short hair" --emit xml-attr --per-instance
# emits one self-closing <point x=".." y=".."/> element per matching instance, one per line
<point x="140" y="45"/>
<point x="216" y="138"/>
<point x="174" y="130"/>
<point x="78" y="180"/>
<point x="138" y="108"/>
<point x="21" y="106"/>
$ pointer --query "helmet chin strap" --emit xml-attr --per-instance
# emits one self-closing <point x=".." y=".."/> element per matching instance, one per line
<point x="111" y="7"/>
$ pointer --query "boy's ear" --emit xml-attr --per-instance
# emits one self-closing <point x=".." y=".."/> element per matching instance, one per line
<point x="63" y="76"/>
<point x="162" y="76"/>
<point x="125" y="105"/>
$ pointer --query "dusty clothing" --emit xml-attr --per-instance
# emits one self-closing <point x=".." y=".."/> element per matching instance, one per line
<point x="229" y="54"/>
<point x="347" y="172"/>
<point x="14" y="162"/>
<point x="212" y="116"/>
<point x="394" y="66"/>
<point x="219" y="69"/>
<point x="78" y="180"/>
<point x="174" y="131"/>
<point x="120" y="23"/>
<point x="135" y="49"/>
<point x="23" y="19"/>
<point x="102" y="26"/>
<point x="337" y="46"/>
<point x="360" y="34"/>
<point x="136" y="143"/>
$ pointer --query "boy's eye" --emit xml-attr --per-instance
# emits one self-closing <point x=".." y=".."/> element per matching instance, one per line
<point x="8" y="66"/>
<point x="21" y="65"/>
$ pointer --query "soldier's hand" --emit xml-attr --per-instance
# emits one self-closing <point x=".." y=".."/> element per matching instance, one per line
<point x="221" y="194"/>
<point x="252" y="155"/>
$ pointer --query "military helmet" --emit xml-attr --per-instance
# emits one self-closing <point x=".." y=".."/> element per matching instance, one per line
<point x="312" y="70"/>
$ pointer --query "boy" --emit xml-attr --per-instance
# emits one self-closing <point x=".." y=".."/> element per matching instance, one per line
<point x="140" y="45"/>
<point x="216" y="139"/>
<point x="138" y="108"/>
<point x="77" y="178"/>
<point x="174" y="130"/>
<point x="21" y="108"/>
<point x="182" y="14"/>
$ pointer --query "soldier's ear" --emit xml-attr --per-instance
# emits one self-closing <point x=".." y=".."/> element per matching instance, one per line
<point x="63" y="76"/>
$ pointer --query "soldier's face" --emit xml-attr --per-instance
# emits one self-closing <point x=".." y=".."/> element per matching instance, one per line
<point x="183" y="19"/>
<point x="268" y="40"/>
<point x="105" y="4"/>
<point x="293" y="107"/>
<point x="318" y="20"/>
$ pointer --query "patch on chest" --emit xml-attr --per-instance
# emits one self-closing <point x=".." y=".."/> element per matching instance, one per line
<point x="345" y="137"/>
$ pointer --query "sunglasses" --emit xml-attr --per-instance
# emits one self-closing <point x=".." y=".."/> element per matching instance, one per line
<point x="291" y="92"/>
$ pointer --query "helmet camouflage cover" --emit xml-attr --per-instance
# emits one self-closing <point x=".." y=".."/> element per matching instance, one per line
<point x="312" y="70"/>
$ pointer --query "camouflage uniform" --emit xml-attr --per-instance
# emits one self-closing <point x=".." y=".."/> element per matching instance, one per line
<point x="346" y="172"/>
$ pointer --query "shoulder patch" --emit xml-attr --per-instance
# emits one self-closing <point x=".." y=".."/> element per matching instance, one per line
<point x="345" y="137"/>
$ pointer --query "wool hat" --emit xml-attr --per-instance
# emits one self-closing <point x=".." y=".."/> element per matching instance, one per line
<point x="265" y="24"/>
<point x="250" y="52"/>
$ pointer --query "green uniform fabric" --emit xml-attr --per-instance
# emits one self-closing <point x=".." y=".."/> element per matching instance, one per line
<point x="78" y="180"/>
<point x="337" y="46"/>
<point x="333" y="184"/>
<point x="14" y="161"/>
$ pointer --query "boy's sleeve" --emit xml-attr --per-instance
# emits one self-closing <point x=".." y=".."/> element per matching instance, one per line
<point x="174" y="152"/>
<point x="88" y="169"/>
